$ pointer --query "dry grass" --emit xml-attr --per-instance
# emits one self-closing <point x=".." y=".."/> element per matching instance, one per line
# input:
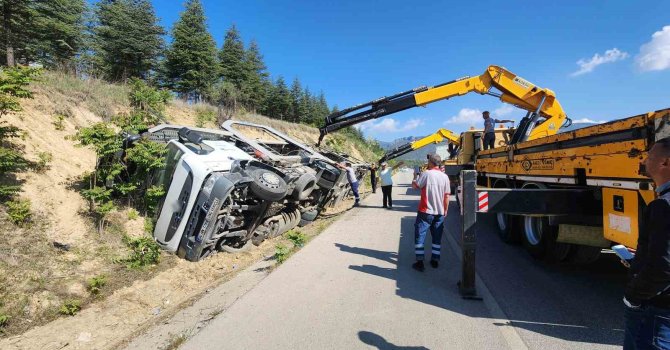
<point x="67" y="93"/>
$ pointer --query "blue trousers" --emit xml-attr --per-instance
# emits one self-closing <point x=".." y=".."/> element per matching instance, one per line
<point x="646" y="328"/>
<point x="436" y="225"/>
<point x="354" y="189"/>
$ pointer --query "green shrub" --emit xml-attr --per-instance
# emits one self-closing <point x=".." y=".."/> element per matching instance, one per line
<point x="59" y="122"/>
<point x="144" y="252"/>
<point x="4" y="319"/>
<point x="281" y="253"/>
<point x="204" y="116"/>
<point x="70" y="307"/>
<point x="133" y="214"/>
<point x="96" y="283"/>
<point x="44" y="161"/>
<point x="18" y="211"/>
<point x="298" y="238"/>
<point x="148" y="225"/>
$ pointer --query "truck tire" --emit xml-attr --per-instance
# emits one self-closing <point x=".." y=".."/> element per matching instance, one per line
<point x="584" y="255"/>
<point x="268" y="185"/>
<point x="304" y="187"/>
<point x="508" y="228"/>
<point x="539" y="238"/>
<point x="308" y="217"/>
<point x="233" y="245"/>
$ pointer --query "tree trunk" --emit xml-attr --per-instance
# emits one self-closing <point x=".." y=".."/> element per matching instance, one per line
<point x="7" y="26"/>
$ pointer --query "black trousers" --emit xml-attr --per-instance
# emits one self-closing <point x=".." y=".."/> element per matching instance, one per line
<point x="489" y="140"/>
<point x="386" y="193"/>
<point x="373" y="182"/>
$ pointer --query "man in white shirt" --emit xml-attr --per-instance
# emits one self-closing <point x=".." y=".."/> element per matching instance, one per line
<point x="353" y="180"/>
<point x="433" y="205"/>
<point x="386" y="181"/>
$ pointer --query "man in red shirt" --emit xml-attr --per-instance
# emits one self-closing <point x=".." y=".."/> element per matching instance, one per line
<point x="435" y="189"/>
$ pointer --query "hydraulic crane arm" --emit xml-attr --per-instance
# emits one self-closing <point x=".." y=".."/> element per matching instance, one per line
<point x="435" y="138"/>
<point x="539" y="102"/>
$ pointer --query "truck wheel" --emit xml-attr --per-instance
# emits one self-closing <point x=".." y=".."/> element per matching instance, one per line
<point x="534" y="235"/>
<point x="304" y="187"/>
<point x="508" y="228"/>
<point x="233" y="245"/>
<point x="584" y="254"/>
<point x="268" y="185"/>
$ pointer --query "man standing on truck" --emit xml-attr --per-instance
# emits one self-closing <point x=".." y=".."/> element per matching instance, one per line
<point x="647" y="296"/>
<point x="353" y="180"/>
<point x="489" y="129"/>
<point x="435" y="189"/>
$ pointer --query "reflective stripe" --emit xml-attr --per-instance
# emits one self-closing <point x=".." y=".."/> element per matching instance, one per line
<point x="420" y="252"/>
<point x="418" y="246"/>
<point x="435" y="252"/>
<point x="436" y="246"/>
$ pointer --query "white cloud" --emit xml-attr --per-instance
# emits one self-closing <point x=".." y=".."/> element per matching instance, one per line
<point x="655" y="55"/>
<point x="503" y="110"/>
<point x="587" y="120"/>
<point x="389" y="125"/>
<point x="467" y="116"/>
<point x="587" y="66"/>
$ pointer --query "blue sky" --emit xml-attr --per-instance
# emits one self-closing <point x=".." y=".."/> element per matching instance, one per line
<point x="356" y="51"/>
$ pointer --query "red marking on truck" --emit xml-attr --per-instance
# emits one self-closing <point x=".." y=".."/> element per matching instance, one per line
<point x="483" y="201"/>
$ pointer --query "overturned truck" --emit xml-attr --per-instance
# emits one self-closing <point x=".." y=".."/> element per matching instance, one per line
<point x="222" y="194"/>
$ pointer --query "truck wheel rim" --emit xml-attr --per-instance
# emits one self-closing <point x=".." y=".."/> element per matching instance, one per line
<point x="502" y="221"/>
<point x="533" y="230"/>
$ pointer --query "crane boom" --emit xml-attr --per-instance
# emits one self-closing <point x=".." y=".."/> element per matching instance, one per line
<point x="539" y="102"/>
<point x="435" y="138"/>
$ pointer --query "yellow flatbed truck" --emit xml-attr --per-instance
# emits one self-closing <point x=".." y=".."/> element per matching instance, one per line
<point x="568" y="195"/>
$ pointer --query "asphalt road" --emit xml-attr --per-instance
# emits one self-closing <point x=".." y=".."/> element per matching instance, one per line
<point x="352" y="287"/>
<point x="552" y="306"/>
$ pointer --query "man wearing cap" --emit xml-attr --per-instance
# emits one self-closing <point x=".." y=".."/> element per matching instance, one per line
<point x="489" y="129"/>
<point x="435" y="189"/>
<point x="386" y="179"/>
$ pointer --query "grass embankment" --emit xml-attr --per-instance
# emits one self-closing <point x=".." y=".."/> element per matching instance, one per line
<point x="58" y="263"/>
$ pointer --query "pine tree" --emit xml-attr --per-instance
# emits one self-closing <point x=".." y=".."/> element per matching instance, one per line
<point x="127" y="38"/>
<point x="299" y="111"/>
<point x="191" y="63"/>
<point x="257" y="81"/>
<point x="232" y="58"/>
<point x="59" y="31"/>
<point x="306" y="107"/>
<point x="17" y="22"/>
<point x="280" y="102"/>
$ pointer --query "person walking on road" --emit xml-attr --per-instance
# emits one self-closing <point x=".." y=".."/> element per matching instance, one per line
<point x="489" y="129"/>
<point x="353" y="180"/>
<point x="647" y="296"/>
<point x="433" y="205"/>
<point x="386" y="179"/>
<point x="373" y="178"/>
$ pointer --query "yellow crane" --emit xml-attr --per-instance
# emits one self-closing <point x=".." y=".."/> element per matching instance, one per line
<point x="544" y="113"/>
<point x="435" y="138"/>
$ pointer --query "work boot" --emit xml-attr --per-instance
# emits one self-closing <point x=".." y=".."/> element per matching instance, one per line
<point x="356" y="204"/>
<point x="434" y="263"/>
<point x="418" y="266"/>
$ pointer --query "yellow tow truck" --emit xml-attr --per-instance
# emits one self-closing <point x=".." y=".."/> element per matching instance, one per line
<point x="576" y="192"/>
<point x="437" y="137"/>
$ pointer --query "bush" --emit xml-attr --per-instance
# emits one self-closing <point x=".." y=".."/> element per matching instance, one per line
<point x="18" y="211"/>
<point x="44" y="161"/>
<point x="281" y="253"/>
<point x="4" y="319"/>
<point x="204" y="116"/>
<point x="96" y="283"/>
<point x="148" y="225"/>
<point x="144" y="252"/>
<point x="58" y="122"/>
<point x="298" y="238"/>
<point x="133" y="214"/>
<point x="70" y="307"/>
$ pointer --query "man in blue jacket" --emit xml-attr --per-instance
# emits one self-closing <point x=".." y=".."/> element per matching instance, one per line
<point x="647" y="296"/>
